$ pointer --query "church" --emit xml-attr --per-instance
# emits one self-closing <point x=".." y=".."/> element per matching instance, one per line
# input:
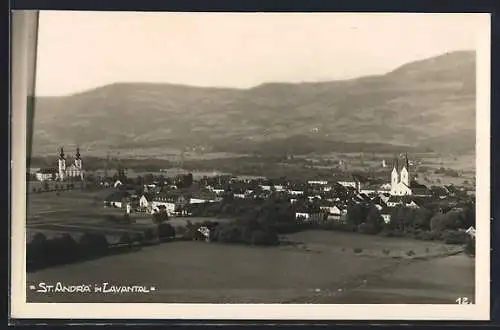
<point x="400" y="178"/>
<point x="74" y="171"/>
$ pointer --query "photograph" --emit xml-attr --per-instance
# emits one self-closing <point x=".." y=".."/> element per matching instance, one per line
<point x="306" y="165"/>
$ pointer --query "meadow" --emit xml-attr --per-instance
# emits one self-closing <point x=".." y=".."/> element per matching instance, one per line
<point x="198" y="272"/>
<point x="314" y="266"/>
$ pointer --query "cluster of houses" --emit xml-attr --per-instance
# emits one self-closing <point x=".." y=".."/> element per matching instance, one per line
<point x="313" y="200"/>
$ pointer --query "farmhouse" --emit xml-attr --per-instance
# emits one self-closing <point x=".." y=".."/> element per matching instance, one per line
<point x="169" y="200"/>
<point x="471" y="231"/>
<point x="203" y="197"/>
<point x="386" y="215"/>
<point x="310" y="217"/>
<point x="117" y="199"/>
<point x="333" y="209"/>
<point x="145" y="200"/>
<point x="351" y="181"/>
<point x="45" y="174"/>
<point x="317" y="182"/>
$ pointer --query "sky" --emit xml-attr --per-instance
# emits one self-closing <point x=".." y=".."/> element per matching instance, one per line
<point x="83" y="50"/>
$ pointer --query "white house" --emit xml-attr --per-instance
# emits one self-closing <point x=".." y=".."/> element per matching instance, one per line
<point x="145" y="201"/>
<point x="296" y="192"/>
<point x="352" y="184"/>
<point x="279" y="187"/>
<point x="471" y="231"/>
<point x="117" y="199"/>
<point x="169" y="206"/>
<point x="332" y="210"/>
<point x="309" y="217"/>
<point x="46" y="174"/>
<point x="204" y="198"/>
<point x="412" y="204"/>
<point x="393" y="202"/>
<point x="386" y="216"/>
<point x="317" y="182"/>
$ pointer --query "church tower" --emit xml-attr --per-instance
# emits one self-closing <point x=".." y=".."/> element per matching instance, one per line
<point x="405" y="172"/>
<point x="61" y="165"/>
<point x="78" y="160"/>
<point x="78" y="163"/>
<point x="395" y="174"/>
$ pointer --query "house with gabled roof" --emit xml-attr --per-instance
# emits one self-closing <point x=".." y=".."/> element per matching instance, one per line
<point x="117" y="199"/>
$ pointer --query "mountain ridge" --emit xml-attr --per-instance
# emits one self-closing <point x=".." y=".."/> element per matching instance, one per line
<point x="412" y="105"/>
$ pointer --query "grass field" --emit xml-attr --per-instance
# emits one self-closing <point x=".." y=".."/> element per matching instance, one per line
<point x="195" y="272"/>
<point x="317" y="267"/>
<point x="76" y="212"/>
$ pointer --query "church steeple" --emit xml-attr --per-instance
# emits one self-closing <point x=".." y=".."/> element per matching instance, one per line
<point x="407" y="163"/>
<point x="78" y="159"/>
<point x="61" y="164"/>
<point x="396" y="164"/>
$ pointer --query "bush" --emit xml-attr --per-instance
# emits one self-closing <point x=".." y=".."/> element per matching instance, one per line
<point x="470" y="246"/>
<point x="357" y="250"/>
<point x="368" y="229"/>
<point x="93" y="245"/>
<point x="455" y="237"/>
<point x="386" y="252"/>
<point x="261" y="237"/>
<point x="36" y="250"/>
<point x="386" y="233"/>
<point x="149" y="234"/>
<point x="426" y="236"/>
<point x="138" y="237"/>
<point x="125" y="238"/>
<point x="166" y="231"/>
<point x="61" y="250"/>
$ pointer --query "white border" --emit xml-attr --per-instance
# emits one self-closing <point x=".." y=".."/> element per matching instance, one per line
<point x="21" y="38"/>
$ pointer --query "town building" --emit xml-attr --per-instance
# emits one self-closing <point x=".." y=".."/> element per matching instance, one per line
<point x="46" y="174"/>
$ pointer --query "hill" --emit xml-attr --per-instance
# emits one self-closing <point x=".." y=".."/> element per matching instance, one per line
<point x="423" y="104"/>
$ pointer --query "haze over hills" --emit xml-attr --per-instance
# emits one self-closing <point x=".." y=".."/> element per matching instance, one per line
<point x="424" y="104"/>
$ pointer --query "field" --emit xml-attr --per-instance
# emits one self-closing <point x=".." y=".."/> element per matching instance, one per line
<point x="75" y="212"/>
<point x="326" y="270"/>
<point x="315" y="267"/>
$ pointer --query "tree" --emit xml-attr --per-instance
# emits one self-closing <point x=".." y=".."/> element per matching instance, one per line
<point x="166" y="231"/>
<point x="161" y="216"/>
<point x="437" y="223"/>
<point x="470" y="246"/>
<point x="423" y="219"/>
<point x="375" y="221"/>
<point x="93" y="244"/>
<point x="356" y="214"/>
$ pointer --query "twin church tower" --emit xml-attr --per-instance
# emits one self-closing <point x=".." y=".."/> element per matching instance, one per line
<point x="400" y="177"/>
<point x="75" y="170"/>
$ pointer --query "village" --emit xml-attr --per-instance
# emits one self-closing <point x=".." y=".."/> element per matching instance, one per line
<point x="82" y="219"/>
<point x="336" y="202"/>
